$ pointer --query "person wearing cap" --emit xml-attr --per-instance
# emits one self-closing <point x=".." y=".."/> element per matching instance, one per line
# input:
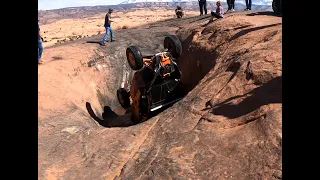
<point x="40" y="46"/>
<point x="109" y="30"/>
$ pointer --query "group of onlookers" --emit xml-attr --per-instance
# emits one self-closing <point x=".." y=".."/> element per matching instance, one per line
<point x="203" y="5"/>
<point x="218" y="13"/>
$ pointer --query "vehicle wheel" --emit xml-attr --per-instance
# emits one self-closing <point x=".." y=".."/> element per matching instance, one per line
<point x="145" y="105"/>
<point x="142" y="113"/>
<point x="123" y="98"/>
<point x="277" y="7"/>
<point x="177" y="73"/>
<point x="173" y="44"/>
<point x="134" y="57"/>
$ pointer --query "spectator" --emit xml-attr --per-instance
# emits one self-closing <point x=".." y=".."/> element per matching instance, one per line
<point x="109" y="30"/>
<point x="219" y="11"/>
<point x="179" y="12"/>
<point x="230" y="5"/>
<point x="248" y="4"/>
<point x="203" y="6"/>
<point x="40" y="46"/>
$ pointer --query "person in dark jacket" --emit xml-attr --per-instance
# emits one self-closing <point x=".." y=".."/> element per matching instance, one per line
<point x="40" y="46"/>
<point x="109" y="30"/>
<point x="179" y="12"/>
<point x="203" y="6"/>
<point x="230" y="5"/>
<point x="248" y="4"/>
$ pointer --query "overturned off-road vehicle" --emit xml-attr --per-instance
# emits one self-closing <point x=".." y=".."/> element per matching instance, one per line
<point x="156" y="81"/>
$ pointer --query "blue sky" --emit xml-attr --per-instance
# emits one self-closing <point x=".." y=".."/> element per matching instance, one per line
<point x="57" y="4"/>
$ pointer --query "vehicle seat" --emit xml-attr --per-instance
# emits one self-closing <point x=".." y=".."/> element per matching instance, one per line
<point x="167" y="66"/>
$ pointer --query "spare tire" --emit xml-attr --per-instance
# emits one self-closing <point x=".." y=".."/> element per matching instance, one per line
<point x="173" y="45"/>
<point x="134" y="57"/>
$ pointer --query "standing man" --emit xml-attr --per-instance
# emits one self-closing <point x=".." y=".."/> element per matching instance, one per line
<point x="109" y="30"/>
<point x="40" y="47"/>
<point x="248" y="4"/>
<point x="230" y="5"/>
<point x="203" y="6"/>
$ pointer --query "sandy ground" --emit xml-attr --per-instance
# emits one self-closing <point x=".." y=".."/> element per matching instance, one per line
<point x="67" y="29"/>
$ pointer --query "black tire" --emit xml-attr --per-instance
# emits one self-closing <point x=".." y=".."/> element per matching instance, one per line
<point x="277" y="7"/>
<point x="177" y="73"/>
<point x="123" y="97"/>
<point x="144" y="110"/>
<point x="134" y="58"/>
<point x="173" y="44"/>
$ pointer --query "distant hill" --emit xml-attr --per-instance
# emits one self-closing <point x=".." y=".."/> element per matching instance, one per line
<point x="49" y="16"/>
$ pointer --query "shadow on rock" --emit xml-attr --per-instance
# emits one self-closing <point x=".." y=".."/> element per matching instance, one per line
<point x="95" y="42"/>
<point x="246" y="31"/>
<point x="262" y="13"/>
<point x="201" y="61"/>
<point x="270" y="92"/>
<point x="110" y="118"/>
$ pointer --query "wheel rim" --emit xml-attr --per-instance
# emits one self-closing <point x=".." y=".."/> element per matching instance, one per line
<point x="131" y="59"/>
<point x="170" y="47"/>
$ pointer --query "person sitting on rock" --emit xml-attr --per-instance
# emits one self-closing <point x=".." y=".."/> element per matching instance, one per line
<point x="179" y="12"/>
<point x="219" y="11"/>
